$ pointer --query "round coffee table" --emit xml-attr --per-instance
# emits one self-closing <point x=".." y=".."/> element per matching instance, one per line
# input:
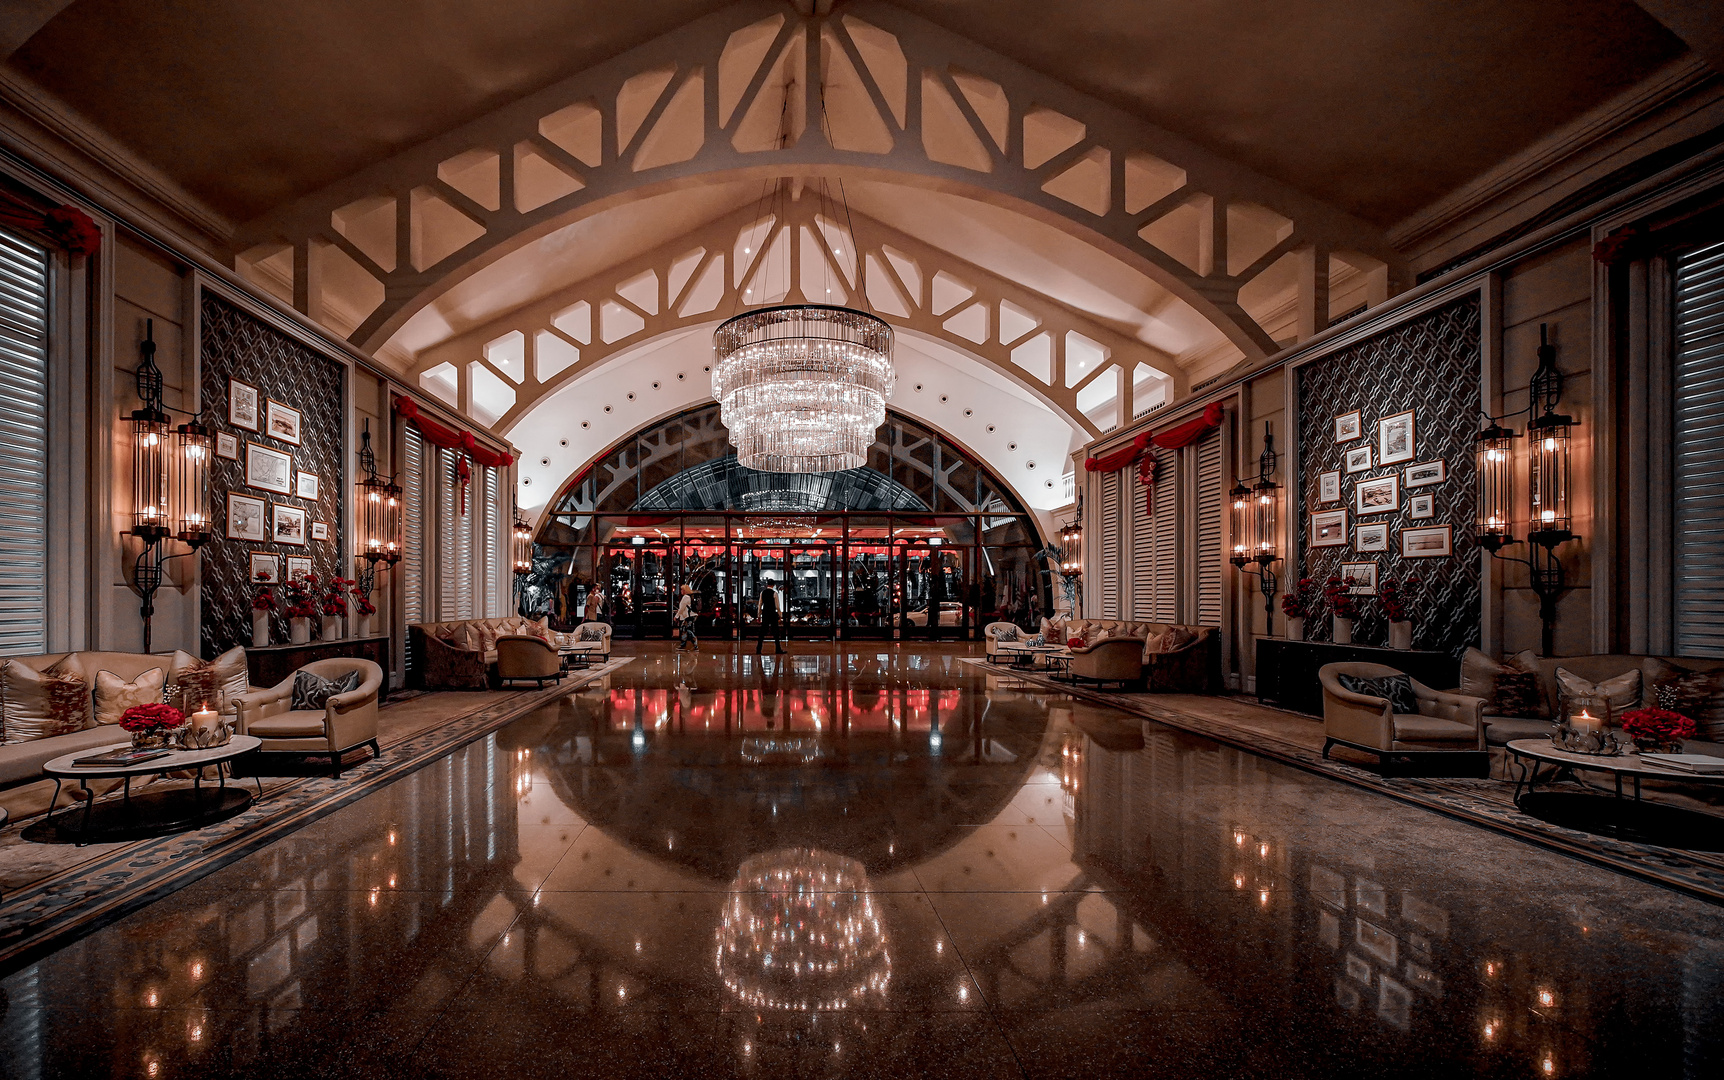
<point x="1620" y="818"/>
<point x="156" y="813"/>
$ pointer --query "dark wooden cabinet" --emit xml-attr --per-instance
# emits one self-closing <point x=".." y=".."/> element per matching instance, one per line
<point x="1287" y="670"/>
<point x="273" y="663"/>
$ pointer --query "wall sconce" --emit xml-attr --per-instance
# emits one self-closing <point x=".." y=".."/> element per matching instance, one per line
<point x="1549" y="446"/>
<point x="1253" y="521"/>
<point x="193" y="444"/>
<point x="523" y="545"/>
<point x="379" y="515"/>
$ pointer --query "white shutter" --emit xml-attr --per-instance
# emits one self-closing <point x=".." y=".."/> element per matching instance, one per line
<point x="413" y="533"/>
<point x="1165" y="568"/>
<point x="496" y="591"/>
<point x="1209" y="508"/>
<point x="23" y="446"/>
<point x="1698" y="543"/>
<point x="1142" y="551"/>
<point x="454" y="548"/>
<point x="1110" y="545"/>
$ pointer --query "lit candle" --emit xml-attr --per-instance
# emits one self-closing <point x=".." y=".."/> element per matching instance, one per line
<point x="203" y="721"/>
<point x="1585" y="723"/>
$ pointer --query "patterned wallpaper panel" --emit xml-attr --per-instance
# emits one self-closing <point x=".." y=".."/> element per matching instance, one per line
<point x="1429" y="365"/>
<point x="237" y="346"/>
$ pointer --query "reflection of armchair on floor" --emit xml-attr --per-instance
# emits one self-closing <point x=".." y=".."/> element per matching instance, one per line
<point x="1110" y="660"/>
<point x="524" y="656"/>
<point x="346" y="721"/>
<point x="1441" y="723"/>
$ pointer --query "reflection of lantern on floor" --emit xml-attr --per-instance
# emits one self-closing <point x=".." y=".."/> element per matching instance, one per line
<point x="800" y="931"/>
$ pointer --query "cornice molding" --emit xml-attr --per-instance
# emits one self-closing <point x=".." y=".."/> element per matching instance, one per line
<point x="78" y="133"/>
<point x="1571" y="148"/>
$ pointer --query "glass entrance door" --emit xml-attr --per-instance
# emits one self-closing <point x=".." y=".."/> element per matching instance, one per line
<point x="934" y="592"/>
<point x="806" y="579"/>
<point x="641" y="578"/>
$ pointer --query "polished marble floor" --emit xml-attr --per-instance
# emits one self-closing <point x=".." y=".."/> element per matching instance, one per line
<point x="878" y="861"/>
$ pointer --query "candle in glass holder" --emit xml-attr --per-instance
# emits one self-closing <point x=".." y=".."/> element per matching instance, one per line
<point x="1585" y="724"/>
<point x="203" y="723"/>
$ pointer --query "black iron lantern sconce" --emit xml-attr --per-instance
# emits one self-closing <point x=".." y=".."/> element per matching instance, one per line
<point x="170" y="481"/>
<point x="523" y="545"/>
<point x="379" y="501"/>
<point x="1549" y="447"/>
<point x="1071" y="547"/>
<point x="1255" y="537"/>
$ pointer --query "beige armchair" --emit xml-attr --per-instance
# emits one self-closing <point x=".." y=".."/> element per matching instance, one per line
<point x="990" y="634"/>
<point x="348" y="720"/>
<point x="1115" y="660"/>
<point x="523" y="656"/>
<point x="586" y="651"/>
<point x="1445" y="723"/>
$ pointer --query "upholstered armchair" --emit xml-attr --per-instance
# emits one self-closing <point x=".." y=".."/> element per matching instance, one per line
<point x="1115" y="660"/>
<point x="444" y="658"/>
<point x="1444" y="722"/>
<point x="579" y="644"/>
<point x="991" y="635"/>
<point x="347" y="721"/>
<point x="524" y="656"/>
<point x="1193" y="668"/>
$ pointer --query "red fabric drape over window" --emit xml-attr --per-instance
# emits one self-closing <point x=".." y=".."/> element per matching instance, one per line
<point x="451" y="438"/>
<point x="66" y="227"/>
<point x="1171" y="439"/>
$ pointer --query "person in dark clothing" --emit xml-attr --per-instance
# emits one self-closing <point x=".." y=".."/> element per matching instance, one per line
<point x="770" y="620"/>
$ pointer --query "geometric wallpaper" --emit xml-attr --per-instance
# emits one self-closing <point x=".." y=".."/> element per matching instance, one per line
<point x="237" y="346"/>
<point x="1430" y="366"/>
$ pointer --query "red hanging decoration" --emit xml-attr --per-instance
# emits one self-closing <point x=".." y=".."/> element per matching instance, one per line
<point x="463" y="476"/>
<point x="67" y="227"/>
<point x="1171" y="439"/>
<point x="1146" y="476"/>
<point x="451" y="438"/>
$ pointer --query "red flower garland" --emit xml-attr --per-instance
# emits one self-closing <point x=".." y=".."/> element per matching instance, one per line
<point x="67" y="227"/>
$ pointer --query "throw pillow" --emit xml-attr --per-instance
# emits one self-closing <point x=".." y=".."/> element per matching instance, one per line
<point x="1604" y="701"/>
<point x="1179" y="637"/>
<point x="1074" y="643"/>
<point x="1483" y="677"/>
<point x="41" y="704"/>
<point x="115" y="695"/>
<point x="1517" y="694"/>
<point x="1160" y="643"/>
<point x="217" y="683"/>
<point x="591" y="632"/>
<point x="1698" y="695"/>
<point x="1397" y="690"/>
<point x="311" y="693"/>
<point x="541" y="629"/>
<point x="1006" y="633"/>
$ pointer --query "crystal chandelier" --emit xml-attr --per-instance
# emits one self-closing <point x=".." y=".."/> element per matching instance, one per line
<point x="803" y="387"/>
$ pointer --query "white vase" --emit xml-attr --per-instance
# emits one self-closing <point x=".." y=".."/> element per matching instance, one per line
<point x="363" y="629"/>
<point x="331" y="628"/>
<point x="299" y="630"/>
<point x="1295" y="629"/>
<point x="259" y="629"/>
<point x="1343" y="631"/>
<point x="1401" y="634"/>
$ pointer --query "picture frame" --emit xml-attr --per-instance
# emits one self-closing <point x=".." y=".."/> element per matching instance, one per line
<point x="284" y="422"/>
<point x="242" y="405"/>
<point x="1426" y="473"/>
<point x="1349" y="426"/>
<point x="320" y="530"/>
<point x="1361" y="578"/>
<point x="227" y="445"/>
<point x="1421" y="507"/>
<point x="1378" y="495"/>
<point x="298" y="566"/>
<point x="268" y="563"/>
<point x="245" y="518"/>
<point x="288" y="525"/>
<point x="267" y="469"/>
<point x="1358" y="460"/>
<point x="1329" y="528"/>
<point x="1395" y="438"/>
<point x="305" y="485"/>
<point x="1372" y="537"/>
<point x="1329" y="486"/>
<point x="1428" y="542"/>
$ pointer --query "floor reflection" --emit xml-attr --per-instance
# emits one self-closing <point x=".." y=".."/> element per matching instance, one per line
<point x="878" y="863"/>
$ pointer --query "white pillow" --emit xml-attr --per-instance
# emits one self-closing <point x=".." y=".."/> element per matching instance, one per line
<point x="115" y="695"/>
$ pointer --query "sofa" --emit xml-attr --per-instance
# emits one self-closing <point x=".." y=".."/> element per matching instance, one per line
<point x="1443" y="723"/>
<point x="346" y="721"/>
<point x="1109" y="660"/>
<point x="1194" y="668"/>
<point x="462" y="654"/>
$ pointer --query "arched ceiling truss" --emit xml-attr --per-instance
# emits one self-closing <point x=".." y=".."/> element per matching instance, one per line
<point x="795" y="248"/>
<point x="762" y="90"/>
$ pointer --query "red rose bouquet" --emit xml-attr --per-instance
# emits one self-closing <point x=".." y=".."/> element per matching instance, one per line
<point x="265" y="599"/>
<point x="300" y="603"/>
<point x="1293" y="603"/>
<point x="335" y="596"/>
<point x="1657" y="728"/>
<point x="1341" y="603"/>
<point x="143" y="718"/>
<point x="1397" y="599"/>
<point x="362" y="601"/>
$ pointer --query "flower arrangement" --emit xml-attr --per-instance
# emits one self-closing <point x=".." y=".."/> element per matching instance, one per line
<point x="362" y="601"/>
<point x="144" y="719"/>
<point x="1657" y="729"/>
<point x="335" y="596"/>
<point x="1340" y="598"/>
<point x="265" y="599"/>
<point x="1293" y="604"/>
<point x="1398" y="599"/>
<point x="300" y="602"/>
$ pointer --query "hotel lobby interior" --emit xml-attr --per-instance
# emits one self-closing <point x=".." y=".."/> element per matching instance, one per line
<point x="847" y="538"/>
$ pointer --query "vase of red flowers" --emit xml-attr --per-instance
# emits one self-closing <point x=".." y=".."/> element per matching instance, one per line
<point x="301" y="606"/>
<point x="334" y="607"/>
<point x="1657" y="731"/>
<point x="1343" y="609"/>
<point x="151" y="725"/>
<point x="1294" y="605"/>
<point x="262" y="607"/>
<point x="364" y="609"/>
<point x="1398" y="606"/>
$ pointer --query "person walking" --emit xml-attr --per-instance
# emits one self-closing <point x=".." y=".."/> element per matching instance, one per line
<point x="595" y="604"/>
<point x="685" y="620"/>
<point x="771" y="620"/>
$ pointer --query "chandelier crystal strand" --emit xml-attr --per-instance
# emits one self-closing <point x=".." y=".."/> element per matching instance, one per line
<point x="803" y="387"/>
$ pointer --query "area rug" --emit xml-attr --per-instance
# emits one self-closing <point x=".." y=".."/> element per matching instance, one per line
<point x="1488" y="803"/>
<point x="120" y="878"/>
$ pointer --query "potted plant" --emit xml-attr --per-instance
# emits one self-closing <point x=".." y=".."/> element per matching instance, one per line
<point x="334" y="607"/>
<point x="262" y="607"/>
<point x="363" y="605"/>
<point x="1343" y="609"/>
<point x="1397" y="605"/>
<point x="1294" y="605"/>
<point x="1657" y="731"/>
<point x="150" y="725"/>
<point x="301" y="606"/>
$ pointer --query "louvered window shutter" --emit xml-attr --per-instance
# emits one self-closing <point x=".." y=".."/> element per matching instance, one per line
<point x="23" y="446"/>
<point x="1143" y="551"/>
<point x="1110" y="545"/>
<point x="496" y="592"/>
<point x="1209" y="507"/>
<point x="1698" y="543"/>
<point x="1166" y="526"/>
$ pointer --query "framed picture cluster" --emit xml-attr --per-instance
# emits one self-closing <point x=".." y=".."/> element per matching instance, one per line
<point x="1381" y="494"/>
<point x="268" y="469"/>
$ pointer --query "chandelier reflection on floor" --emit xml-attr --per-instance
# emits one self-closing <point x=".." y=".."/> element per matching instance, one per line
<point x="800" y="932"/>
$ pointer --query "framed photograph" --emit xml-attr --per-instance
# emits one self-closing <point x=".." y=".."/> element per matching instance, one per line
<point x="1422" y="506"/>
<point x="305" y="485"/>
<point x="265" y="568"/>
<point x="1361" y="578"/>
<point x="1426" y="473"/>
<point x="1329" y="528"/>
<point x="1395" y="438"/>
<point x="283" y="422"/>
<point x="1348" y="426"/>
<point x="242" y="405"/>
<point x="245" y="518"/>
<point x="320" y="530"/>
<point x="1329" y="486"/>
<point x="1373" y="537"/>
<point x="298" y="566"/>
<point x="268" y="469"/>
<point x="289" y="525"/>
<point x="1378" y="495"/>
<point x="1428" y="542"/>
<point x="227" y="445"/>
<point x="1359" y="460"/>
